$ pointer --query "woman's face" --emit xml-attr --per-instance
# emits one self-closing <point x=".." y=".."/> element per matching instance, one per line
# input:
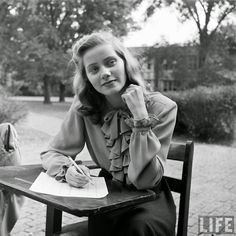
<point x="105" y="69"/>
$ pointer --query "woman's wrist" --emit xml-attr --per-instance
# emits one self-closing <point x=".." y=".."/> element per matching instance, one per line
<point x="144" y="123"/>
<point x="141" y="116"/>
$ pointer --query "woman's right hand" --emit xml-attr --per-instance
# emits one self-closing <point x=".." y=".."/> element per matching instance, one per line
<point x="74" y="178"/>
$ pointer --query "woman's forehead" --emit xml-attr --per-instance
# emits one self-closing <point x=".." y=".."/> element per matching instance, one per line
<point x="98" y="53"/>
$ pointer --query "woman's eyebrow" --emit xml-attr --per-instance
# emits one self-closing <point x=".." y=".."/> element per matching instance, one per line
<point x="108" y="58"/>
<point x="91" y="65"/>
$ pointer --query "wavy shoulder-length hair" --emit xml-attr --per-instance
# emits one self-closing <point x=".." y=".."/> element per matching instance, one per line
<point x="93" y="102"/>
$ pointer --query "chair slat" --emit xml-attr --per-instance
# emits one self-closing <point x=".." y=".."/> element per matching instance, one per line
<point x="174" y="184"/>
<point x="176" y="152"/>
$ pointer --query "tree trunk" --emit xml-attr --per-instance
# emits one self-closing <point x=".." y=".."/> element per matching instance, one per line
<point x="47" y="90"/>
<point x="62" y="92"/>
<point x="203" y="49"/>
<point x="202" y="57"/>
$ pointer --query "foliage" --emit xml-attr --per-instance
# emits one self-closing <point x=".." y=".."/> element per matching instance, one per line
<point x="206" y="113"/>
<point x="207" y="15"/>
<point x="214" y="10"/>
<point x="10" y="111"/>
<point x="181" y="62"/>
<point x="220" y="64"/>
<point x="39" y="33"/>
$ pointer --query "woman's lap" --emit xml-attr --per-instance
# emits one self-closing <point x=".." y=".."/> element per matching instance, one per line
<point x="156" y="217"/>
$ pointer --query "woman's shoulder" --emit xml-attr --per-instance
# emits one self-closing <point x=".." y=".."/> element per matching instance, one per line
<point x="76" y="103"/>
<point x="75" y="107"/>
<point x="158" y="100"/>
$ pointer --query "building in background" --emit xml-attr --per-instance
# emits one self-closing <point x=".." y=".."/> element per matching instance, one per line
<point x="168" y="68"/>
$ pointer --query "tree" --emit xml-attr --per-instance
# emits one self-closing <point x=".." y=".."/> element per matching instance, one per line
<point x="7" y="46"/>
<point x="46" y="29"/>
<point x="205" y="13"/>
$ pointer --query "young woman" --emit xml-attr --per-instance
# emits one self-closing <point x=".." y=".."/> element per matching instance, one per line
<point x="127" y="132"/>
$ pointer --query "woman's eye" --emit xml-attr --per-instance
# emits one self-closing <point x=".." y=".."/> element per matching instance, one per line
<point x="112" y="62"/>
<point x="93" y="70"/>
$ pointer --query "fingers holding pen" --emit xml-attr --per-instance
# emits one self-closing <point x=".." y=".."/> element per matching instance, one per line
<point x="85" y="170"/>
<point x="76" y="179"/>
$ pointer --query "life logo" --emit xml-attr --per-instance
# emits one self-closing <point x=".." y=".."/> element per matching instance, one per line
<point x="215" y="225"/>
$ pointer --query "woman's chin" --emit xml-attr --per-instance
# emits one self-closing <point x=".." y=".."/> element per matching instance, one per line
<point x="112" y="91"/>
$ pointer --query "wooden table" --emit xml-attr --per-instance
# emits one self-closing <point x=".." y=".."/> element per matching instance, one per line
<point x="18" y="179"/>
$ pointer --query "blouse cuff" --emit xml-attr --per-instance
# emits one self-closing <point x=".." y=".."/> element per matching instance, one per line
<point x="61" y="175"/>
<point x="144" y="124"/>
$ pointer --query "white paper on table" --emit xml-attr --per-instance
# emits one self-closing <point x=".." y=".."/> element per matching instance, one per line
<point x="48" y="185"/>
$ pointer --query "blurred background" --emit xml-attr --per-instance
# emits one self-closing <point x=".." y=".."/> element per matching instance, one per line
<point x="187" y="50"/>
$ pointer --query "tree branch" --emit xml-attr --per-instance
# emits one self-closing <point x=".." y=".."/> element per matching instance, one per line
<point x="208" y="12"/>
<point x="204" y="9"/>
<point x="63" y="20"/>
<point x="3" y="11"/>
<point x="51" y="14"/>
<point x="198" y="19"/>
<point x="225" y="13"/>
<point x="192" y="15"/>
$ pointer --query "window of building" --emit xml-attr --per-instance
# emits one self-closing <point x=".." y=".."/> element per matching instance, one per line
<point x="168" y="85"/>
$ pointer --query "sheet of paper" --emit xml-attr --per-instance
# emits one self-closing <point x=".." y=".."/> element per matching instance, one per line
<point x="48" y="185"/>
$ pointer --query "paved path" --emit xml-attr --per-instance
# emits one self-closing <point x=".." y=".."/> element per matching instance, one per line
<point x="213" y="184"/>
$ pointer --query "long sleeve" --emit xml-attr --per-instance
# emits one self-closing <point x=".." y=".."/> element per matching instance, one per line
<point x="149" y="146"/>
<point x="68" y="142"/>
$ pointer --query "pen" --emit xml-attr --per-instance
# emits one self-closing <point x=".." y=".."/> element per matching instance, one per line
<point x="79" y="169"/>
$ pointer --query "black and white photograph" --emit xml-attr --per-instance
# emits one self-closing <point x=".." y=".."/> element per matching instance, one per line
<point x="117" y="117"/>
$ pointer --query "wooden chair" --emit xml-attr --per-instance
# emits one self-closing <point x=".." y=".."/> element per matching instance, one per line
<point x="182" y="152"/>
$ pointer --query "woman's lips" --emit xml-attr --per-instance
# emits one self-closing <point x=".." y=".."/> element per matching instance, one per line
<point x="108" y="82"/>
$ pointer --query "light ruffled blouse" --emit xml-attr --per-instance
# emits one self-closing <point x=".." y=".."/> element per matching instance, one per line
<point x="132" y="155"/>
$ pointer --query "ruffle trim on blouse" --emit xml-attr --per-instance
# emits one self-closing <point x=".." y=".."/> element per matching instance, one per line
<point x="117" y="135"/>
<point x="117" y="129"/>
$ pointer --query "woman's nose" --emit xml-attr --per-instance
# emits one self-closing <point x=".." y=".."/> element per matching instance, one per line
<point x="105" y="73"/>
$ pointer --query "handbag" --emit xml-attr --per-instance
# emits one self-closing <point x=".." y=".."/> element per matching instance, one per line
<point x="10" y="204"/>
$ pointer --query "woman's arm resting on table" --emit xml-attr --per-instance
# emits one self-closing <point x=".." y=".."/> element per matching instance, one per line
<point x="68" y="142"/>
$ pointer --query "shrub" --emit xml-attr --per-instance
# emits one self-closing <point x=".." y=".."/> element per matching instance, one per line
<point x="206" y="113"/>
<point x="10" y="110"/>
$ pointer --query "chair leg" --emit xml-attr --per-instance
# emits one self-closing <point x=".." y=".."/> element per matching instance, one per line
<point x="53" y="221"/>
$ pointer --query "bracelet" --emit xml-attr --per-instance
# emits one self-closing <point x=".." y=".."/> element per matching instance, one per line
<point x="145" y="122"/>
<point x="149" y="122"/>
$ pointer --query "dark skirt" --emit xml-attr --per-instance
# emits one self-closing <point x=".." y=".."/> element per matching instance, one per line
<point x="153" y="218"/>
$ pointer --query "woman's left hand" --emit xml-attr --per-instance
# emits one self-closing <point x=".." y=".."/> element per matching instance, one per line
<point x="134" y="98"/>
